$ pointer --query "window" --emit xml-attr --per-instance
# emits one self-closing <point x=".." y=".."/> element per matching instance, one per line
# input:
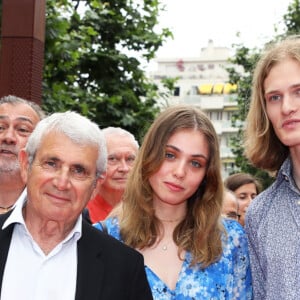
<point x="229" y="167"/>
<point x="194" y="90"/>
<point x="215" y="115"/>
<point x="229" y="115"/>
<point x="177" y="91"/>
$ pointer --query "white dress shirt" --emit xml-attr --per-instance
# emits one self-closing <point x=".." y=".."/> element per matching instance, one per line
<point x="30" y="274"/>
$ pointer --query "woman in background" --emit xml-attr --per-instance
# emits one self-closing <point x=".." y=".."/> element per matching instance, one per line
<point x="246" y="188"/>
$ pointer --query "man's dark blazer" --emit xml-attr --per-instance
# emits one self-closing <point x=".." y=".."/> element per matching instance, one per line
<point x="106" y="270"/>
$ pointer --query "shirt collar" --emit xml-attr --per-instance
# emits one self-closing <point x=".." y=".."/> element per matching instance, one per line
<point x="16" y="215"/>
<point x="285" y="173"/>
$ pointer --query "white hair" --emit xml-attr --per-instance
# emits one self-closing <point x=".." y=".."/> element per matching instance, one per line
<point x="14" y="100"/>
<point x="121" y="132"/>
<point x="77" y="128"/>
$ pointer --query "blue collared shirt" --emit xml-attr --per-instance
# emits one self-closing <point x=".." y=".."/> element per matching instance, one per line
<point x="273" y="228"/>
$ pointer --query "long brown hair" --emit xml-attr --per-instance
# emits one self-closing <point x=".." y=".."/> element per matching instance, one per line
<point x="200" y="232"/>
<point x="262" y="146"/>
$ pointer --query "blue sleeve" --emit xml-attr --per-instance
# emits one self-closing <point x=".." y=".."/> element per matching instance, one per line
<point x="110" y="226"/>
<point x="101" y="226"/>
<point x="242" y="279"/>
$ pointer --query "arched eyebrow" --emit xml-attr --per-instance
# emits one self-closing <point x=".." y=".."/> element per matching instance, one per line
<point x="294" y="86"/>
<point x="193" y="155"/>
<point x="23" y="119"/>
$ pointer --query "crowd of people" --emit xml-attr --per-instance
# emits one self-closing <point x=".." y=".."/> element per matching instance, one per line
<point x="87" y="213"/>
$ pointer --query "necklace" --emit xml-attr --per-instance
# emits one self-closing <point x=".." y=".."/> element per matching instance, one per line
<point x="165" y="246"/>
<point x="170" y="221"/>
<point x="6" y="209"/>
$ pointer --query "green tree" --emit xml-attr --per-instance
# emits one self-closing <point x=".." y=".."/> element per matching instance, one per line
<point x="247" y="58"/>
<point x="292" y="18"/>
<point x="93" y="54"/>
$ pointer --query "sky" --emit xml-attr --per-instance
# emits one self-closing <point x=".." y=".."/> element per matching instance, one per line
<point x="195" y="22"/>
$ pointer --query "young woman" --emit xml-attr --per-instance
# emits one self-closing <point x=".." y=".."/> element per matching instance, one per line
<point x="246" y="188"/>
<point x="273" y="143"/>
<point x="171" y="213"/>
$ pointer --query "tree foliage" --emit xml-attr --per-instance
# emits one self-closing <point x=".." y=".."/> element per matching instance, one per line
<point x="93" y="54"/>
<point x="247" y="58"/>
<point x="292" y="18"/>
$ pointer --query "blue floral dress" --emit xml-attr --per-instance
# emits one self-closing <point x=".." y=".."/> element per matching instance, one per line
<point x="228" y="278"/>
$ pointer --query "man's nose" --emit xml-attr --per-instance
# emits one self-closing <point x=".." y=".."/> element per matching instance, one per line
<point x="62" y="179"/>
<point x="123" y="165"/>
<point x="9" y="136"/>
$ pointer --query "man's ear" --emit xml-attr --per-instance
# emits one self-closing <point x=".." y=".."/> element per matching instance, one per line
<point x="24" y="164"/>
<point x="101" y="179"/>
<point x="94" y="193"/>
<point x="98" y="184"/>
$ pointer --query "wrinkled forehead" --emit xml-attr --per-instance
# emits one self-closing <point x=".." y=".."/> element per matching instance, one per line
<point x="18" y="111"/>
<point x="117" y="143"/>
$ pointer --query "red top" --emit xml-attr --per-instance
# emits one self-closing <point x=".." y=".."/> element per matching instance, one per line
<point x="98" y="209"/>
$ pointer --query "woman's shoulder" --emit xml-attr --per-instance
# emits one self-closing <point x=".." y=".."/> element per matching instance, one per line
<point x="233" y="228"/>
<point x="234" y="239"/>
<point x="109" y="226"/>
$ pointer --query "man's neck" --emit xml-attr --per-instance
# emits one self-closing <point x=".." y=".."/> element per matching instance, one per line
<point x="11" y="188"/>
<point x="46" y="232"/>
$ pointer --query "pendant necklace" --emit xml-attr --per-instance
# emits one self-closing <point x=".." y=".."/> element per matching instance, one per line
<point x="165" y="247"/>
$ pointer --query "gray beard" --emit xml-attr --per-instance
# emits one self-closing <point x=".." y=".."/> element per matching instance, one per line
<point x="9" y="166"/>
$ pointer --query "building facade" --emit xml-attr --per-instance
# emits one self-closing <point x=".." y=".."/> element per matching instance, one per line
<point x="203" y="81"/>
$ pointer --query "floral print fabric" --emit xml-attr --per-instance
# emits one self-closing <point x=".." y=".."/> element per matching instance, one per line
<point x="228" y="278"/>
